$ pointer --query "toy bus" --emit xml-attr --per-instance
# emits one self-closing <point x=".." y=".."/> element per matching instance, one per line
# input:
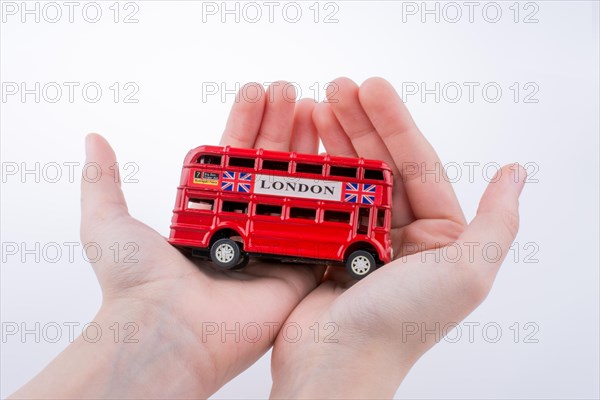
<point x="234" y="203"/>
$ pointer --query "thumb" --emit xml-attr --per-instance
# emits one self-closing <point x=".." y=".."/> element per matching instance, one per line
<point x="101" y="195"/>
<point x="495" y="226"/>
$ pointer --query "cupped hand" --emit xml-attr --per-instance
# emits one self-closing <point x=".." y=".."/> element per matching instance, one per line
<point x="195" y="317"/>
<point x="359" y="339"/>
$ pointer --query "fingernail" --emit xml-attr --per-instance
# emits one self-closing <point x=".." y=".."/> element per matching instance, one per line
<point x="518" y="177"/>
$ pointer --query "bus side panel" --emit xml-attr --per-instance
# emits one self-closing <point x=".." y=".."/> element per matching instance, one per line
<point x="191" y="228"/>
<point x="332" y="238"/>
<point x="265" y="235"/>
<point x="299" y="239"/>
<point x="237" y="222"/>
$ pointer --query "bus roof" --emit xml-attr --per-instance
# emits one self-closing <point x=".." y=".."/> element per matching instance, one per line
<point x="285" y="156"/>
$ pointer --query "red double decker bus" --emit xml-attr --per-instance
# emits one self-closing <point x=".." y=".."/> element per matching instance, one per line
<point x="232" y="203"/>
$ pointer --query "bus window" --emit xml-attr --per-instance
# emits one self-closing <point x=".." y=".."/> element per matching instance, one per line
<point x="267" y="209"/>
<point x="374" y="174"/>
<point x="363" y="221"/>
<point x="336" y="216"/>
<point x="275" y="165"/>
<point x="201" y="204"/>
<point x="235" y="207"/>
<point x="209" y="159"/>
<point x="348" y="172"/>
<point x="380" y="221"/>
<point x="309" y="168"/>
<point x="303" y="213"/>
<point x="242" y="162"/>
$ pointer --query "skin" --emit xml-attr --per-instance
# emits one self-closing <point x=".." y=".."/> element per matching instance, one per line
<point x="173" y="301"/>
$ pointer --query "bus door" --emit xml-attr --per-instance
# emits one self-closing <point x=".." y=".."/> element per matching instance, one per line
<point x="363" y="225"/>
<point x="264" y="234"/>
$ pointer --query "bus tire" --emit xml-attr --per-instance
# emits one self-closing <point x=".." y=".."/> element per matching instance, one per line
<point x="360" y="264"/>
<point x="225" y="253"/>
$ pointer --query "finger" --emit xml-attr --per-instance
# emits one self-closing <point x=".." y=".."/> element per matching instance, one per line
<point x="342" y="95"/>
<point x="276" y="128"/>
<point x="496" y="224"/>
<point x="304" y="133"/>
<point x="245" y="117"/>
<point x="334" y="139"/>
<point x="101" y="195"/>
<point x="429" y="196"/>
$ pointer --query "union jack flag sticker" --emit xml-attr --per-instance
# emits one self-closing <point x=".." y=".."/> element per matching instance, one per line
<point x="360" y="193"/>
<point x="236" y="182"/>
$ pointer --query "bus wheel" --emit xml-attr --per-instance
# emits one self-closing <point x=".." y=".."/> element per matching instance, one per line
<point x="225" y="253"/>
<point x="360" y="264"/>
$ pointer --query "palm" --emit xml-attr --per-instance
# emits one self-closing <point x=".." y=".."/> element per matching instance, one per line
<point x="152" y="271"/>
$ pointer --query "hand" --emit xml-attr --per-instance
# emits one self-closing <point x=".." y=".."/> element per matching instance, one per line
<point x="177" y="304"/>
<point x="366" y="340"/>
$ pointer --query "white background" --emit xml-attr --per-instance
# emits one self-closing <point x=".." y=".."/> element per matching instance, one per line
<point x="171" y="54"/>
